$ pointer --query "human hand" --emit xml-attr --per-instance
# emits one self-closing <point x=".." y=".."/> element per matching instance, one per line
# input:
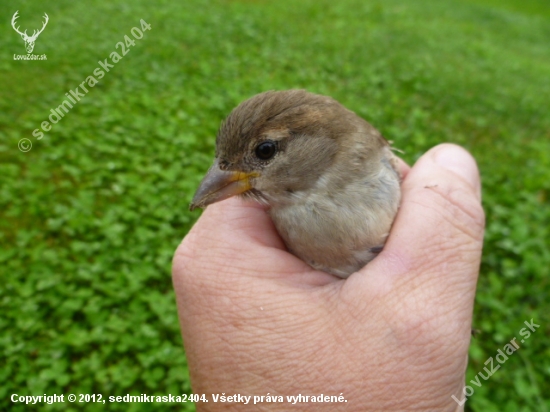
<point x="394" y="336"/>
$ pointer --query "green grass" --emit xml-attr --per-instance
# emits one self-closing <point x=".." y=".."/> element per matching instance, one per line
<point x="90" y="217"/>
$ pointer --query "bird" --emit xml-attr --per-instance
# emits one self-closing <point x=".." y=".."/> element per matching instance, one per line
<point x="329" y="179"/>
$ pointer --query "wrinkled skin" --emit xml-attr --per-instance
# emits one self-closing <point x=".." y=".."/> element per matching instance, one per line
<point x="392" y="337"/>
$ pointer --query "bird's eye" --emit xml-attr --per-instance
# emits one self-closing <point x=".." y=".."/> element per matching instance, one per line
<point x="266" y="150"/>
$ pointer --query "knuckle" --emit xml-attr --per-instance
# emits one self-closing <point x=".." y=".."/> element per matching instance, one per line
<point x="188" y="256"/>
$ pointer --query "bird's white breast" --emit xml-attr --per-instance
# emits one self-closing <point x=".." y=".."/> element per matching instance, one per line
<point x="333" y="228"/>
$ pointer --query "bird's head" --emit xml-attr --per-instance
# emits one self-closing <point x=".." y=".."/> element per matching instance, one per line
<point x="275" y="144"/>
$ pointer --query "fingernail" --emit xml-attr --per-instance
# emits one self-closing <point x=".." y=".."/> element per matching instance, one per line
<point x="457" y="160"/>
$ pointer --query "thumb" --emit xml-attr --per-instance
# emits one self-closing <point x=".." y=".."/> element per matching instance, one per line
<point x="441" y="217"/>
<point x="433" y="253"/>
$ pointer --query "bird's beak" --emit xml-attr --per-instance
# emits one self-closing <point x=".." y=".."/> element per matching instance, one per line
<point x="219" y="184"/>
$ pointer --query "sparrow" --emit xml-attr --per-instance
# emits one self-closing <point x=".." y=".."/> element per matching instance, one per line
<point x="329" y="178"/>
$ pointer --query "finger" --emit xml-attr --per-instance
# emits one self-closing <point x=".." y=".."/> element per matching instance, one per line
<point x="233" y="241"/>
<point x="434" y="248"/>
<point x="402" y="167"/>
<point x="235" y="218"/>
<point x="440" y="210"/>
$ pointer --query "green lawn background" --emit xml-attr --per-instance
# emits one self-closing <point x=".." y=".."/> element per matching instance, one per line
<point x="90" y="217"/>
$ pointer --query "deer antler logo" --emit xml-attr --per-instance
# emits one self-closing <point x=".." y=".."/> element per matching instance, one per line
<point x="29" y="40"/>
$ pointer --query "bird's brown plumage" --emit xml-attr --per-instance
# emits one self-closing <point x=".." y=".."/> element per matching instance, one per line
<point x="332" y="185"/>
